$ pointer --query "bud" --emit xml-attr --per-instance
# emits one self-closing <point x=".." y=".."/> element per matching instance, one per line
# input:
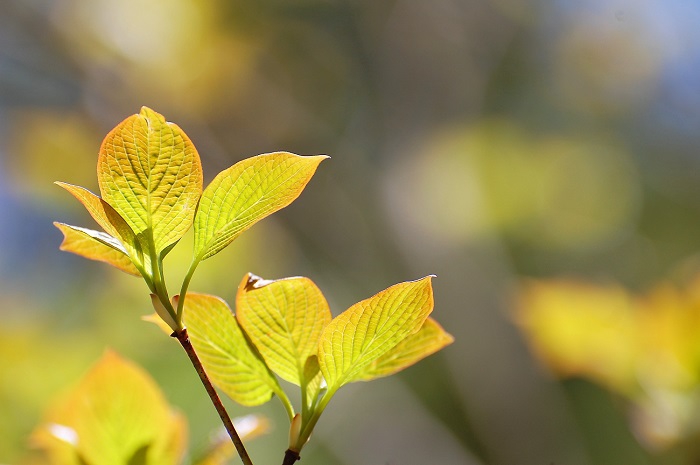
<point x="294" y="431"/>
<point x="164" y="313"/>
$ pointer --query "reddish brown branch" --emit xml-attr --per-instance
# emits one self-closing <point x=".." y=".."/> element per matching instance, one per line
<point x="220" y="409"/>
<point x="290" y="457"/>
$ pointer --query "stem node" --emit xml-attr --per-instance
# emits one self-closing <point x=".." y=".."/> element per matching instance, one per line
<point x="290" y="457"/>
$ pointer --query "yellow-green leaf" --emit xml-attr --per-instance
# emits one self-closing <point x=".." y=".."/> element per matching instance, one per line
<point x="96" y="245"/>
<point x="108" y="218"/>
<point x="150" y="173"/>
<point x="429" y="339"/>
<point x="371" y="328"/>
<point x="116" y="415"/>
<point x="245" y="193"/>
<point x="227" y="356"/>
<point x="284" y="319"/>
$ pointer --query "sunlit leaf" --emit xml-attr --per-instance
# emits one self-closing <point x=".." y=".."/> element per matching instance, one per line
<point x="429" y="339"/>
<point x="116" y="415"/>
<point x="107" y="217"/>
<point x="227" y="356"/>
<point x="96" y="245"/>
<point x="371" y="328"/>
<point x="245" y="193"/>
<point x="284" y="319"/>
<point x="150" y="172"/>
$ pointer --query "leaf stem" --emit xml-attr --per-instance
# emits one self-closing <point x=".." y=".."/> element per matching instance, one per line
<point x="183" y="289"/>
<point x="307" y="426"/>
<point x="184" y="340"/>
<point x="304" y="394"/>
<point x="285" y="401"/>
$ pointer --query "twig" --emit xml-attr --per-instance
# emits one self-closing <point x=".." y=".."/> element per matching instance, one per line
<point x="290" y="457"/>
<point x="220" y="409"/>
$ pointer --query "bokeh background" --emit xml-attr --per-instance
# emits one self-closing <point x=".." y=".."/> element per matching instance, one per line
<point x="490" y="142"/>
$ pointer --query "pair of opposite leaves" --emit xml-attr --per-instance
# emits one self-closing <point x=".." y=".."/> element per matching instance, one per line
<point x="150" y="180"/>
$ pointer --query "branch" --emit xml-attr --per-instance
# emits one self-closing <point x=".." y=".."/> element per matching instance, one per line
<point x="290" y="457"/>
<point x="220" y="409"/>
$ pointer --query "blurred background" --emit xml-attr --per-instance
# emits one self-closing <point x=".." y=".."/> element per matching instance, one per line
<point x="540" y="157"/>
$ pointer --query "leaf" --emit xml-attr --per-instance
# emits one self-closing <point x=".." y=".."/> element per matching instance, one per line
<point x="159" y="322"/>
<point x="116" y="415"/>
<point x="429" y="339"/>
<point x="150" y="172"/>
<point x="371" y="328"/>
<point x="245" y="193"/>
<point x="96" y="245"/>
<point x="226" y="354"/>
<point x="284" y="319"/>
<point x="108" y="218"/>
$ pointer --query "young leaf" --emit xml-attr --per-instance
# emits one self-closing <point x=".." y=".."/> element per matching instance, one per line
<point x="284" y="319"/>
<point x="227" y="356"/>
<point x="96" y="245"/>
<point x="245" y="193"/>
<point x="107" y="217"/>
<point x="429" y="339"/>
<point x="116" y="415"/>
<point x="150" y="172"/>
<point x="371" y="328"/>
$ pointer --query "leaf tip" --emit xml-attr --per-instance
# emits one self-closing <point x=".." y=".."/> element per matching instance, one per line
<point x="252" y="281"/>
<point x="62" y="227"/>
<point x="65" y="185"/>
<point x="147" y="113"/>
<point x="319" y="158"/>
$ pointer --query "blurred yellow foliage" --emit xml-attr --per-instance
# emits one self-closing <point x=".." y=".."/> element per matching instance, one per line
<point x="157" y="49"/>
<point x="117" y="414"/>
<point x="49" y="145"/>
<point x="646" y="347"/>
<point x="555" y="191"/>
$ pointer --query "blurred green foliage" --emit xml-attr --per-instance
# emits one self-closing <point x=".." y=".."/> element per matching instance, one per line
<point x="480" y="140"/>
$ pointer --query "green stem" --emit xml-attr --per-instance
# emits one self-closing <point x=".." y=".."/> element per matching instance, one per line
<point x="285" y="401"/>
<point x="304" y="395"/>
<point x="184" y="340"/>
<point x="307" y="427"/>
<point x="183" y="289"/>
